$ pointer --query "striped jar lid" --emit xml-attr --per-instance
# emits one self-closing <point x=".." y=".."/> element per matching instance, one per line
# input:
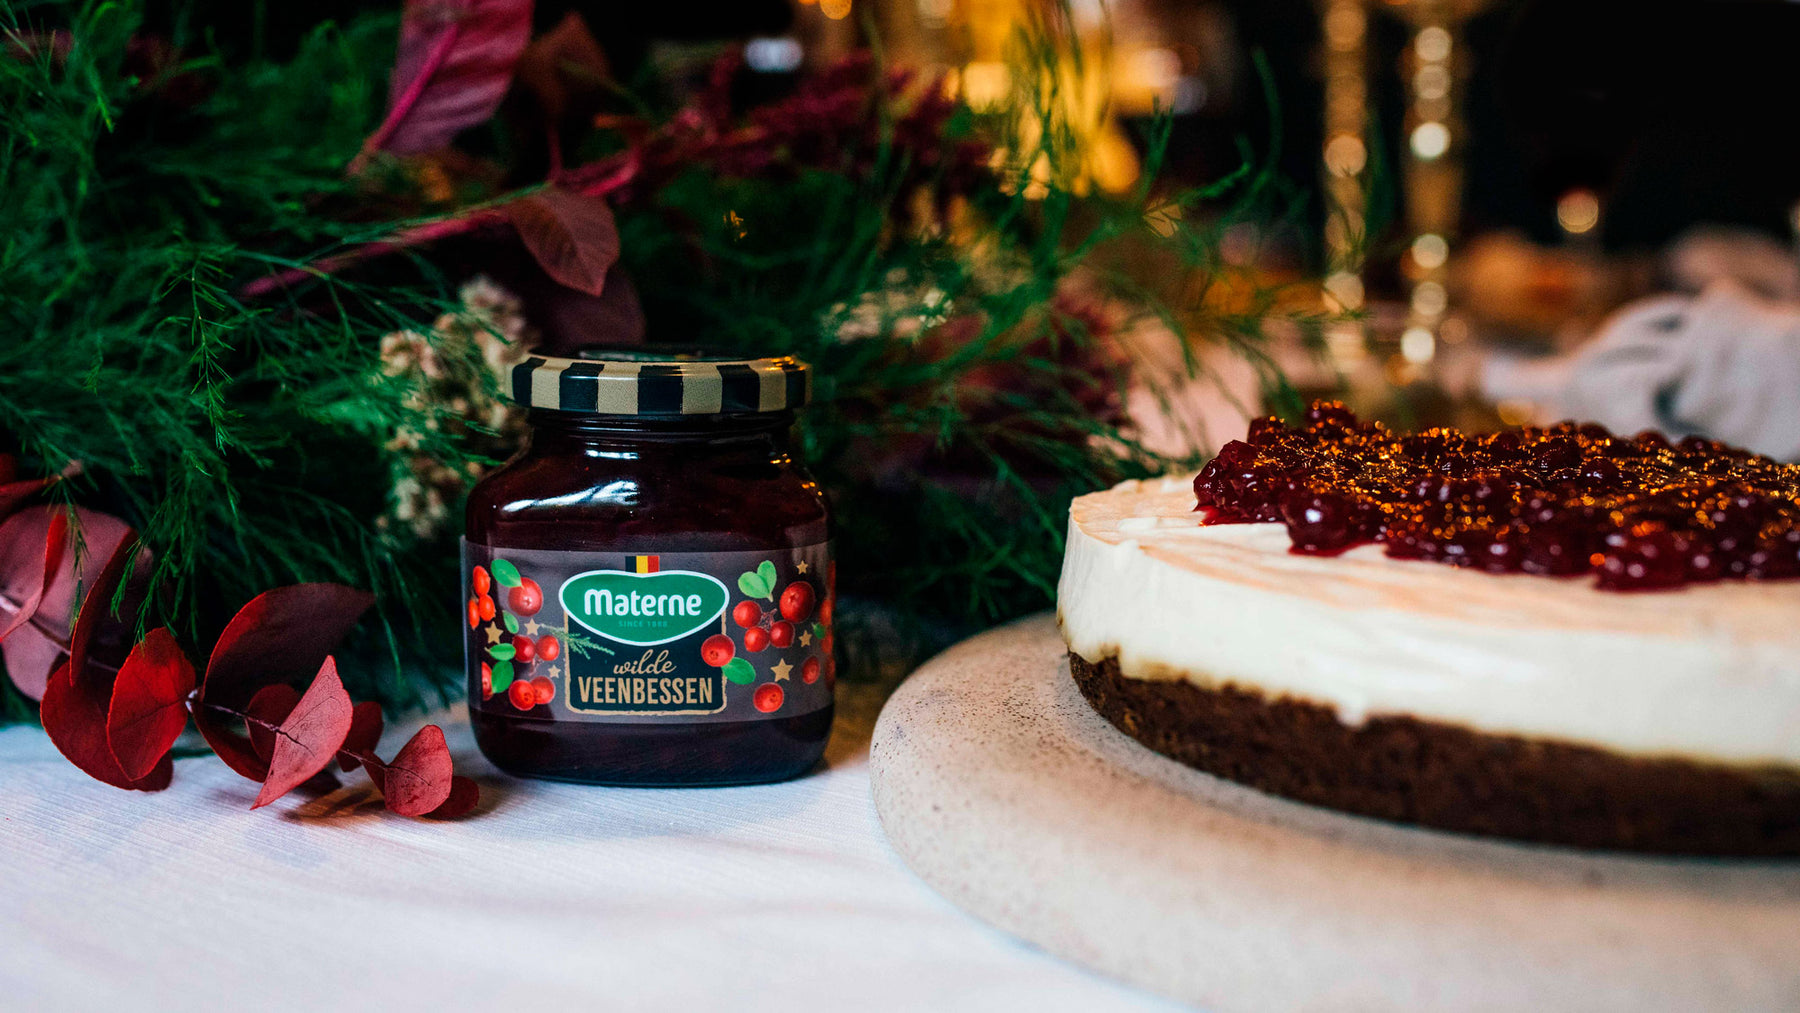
<point x="618" y="382"/>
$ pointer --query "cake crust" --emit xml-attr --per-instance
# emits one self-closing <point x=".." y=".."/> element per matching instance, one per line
<point x="1450" y="777"/>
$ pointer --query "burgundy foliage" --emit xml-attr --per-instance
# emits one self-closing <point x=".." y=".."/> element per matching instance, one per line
<point x="22" y="585"/>
<point x="571" y="235"/>
<point x="454" y="66"/>
<point x="119" y="727"/>
<point x="35" y="634"/>
<point x="839" y="120"/>
<point x="280" y="636"/>
<point x="309" y="737"/>
<point x="149" y="704"/>
<point x="77" y="701"/>
<point x="418" y="780"/>
<point x="365" y="732"/>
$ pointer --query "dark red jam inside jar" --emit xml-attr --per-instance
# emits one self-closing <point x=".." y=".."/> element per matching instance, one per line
<point x="648" y="586"/>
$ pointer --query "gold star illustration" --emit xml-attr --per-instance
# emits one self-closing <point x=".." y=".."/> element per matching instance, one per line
<point x="806" y="639"/>
<point x="550" y="672"/>
<point x="533" y="627"/>
<point x="801" y="566"/>
<point x="781" y="669"/>
<point x="493" y="634"/>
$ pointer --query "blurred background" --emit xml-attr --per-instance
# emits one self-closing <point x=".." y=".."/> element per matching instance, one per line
<point x="1483" y="184"/>
<point x="1478" y="189"/>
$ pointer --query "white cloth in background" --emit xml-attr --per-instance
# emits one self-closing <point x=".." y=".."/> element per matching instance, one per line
<point x="1711" y="253"/>
<point x="1724" y="364"/>
<point x="777" y="897"/>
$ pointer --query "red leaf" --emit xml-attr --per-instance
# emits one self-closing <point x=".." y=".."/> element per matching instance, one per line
<point x="571" y="235"/>
<point x="563" y="67"/>
<point x="14" y="490"/>
<point x="75" y="703"/>
<point x="310" y="736"/>
<point x="14" y="493"/>
<point x="365" y="732"/>
<point x="464" y="794"/>
<point x="30" y="658"/>
<point x="418" y="781"/>
<point x="149" y="703"/>
<point x="25" y="575"/>
<point x="568" y="320"/>
<point x="264" y="714"/>
<point x="237" y="751"/>
<point x="263" y="717"/>
<point x="35" y="648"/>
<point x="282" y="635"/>
<point x="563" y="62"/>
<point x="455" y="63"/>
<point x="376" y="768"/>
<point x="74" y="715"/>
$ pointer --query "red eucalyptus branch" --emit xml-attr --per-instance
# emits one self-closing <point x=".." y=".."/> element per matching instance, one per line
<point x="120" y="728"/>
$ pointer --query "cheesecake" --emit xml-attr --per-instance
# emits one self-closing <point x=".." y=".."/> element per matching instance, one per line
<point x="1322" y="615"/>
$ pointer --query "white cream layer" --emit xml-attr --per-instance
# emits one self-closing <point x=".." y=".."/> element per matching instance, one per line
<point x="1708" y="672"/>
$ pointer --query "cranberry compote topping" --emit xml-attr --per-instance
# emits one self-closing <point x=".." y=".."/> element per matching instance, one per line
<point x="1638" y="512"/>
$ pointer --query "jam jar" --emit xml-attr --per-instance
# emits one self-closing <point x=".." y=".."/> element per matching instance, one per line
<point x="648" y="583"/>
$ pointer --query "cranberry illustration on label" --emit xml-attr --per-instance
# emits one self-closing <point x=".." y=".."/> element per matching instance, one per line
<point x="524" y="596"/>
<point x="527" y="598"/>
<point x="767" y="697"/>
<point x="548" y="647"/>
<point x="718" y="650"/>
<point x="781" y="634"/>
<point x="778" y="625"/>
<point x="797" y="601"/>
<point x="747" y="614"/>
<point x="543" y="690"/>
<point x="522" y="694"/>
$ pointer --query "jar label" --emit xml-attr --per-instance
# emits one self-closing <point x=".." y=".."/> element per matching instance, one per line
<point x="648" y="637"/>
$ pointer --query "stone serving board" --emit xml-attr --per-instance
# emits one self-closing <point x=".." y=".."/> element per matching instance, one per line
<point x="1000" y="787"/>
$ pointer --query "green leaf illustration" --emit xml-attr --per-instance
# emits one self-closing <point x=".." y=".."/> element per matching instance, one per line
<point x="739" y="671"/>
<point x="767" y="572"/>
<point x="501" y="652"/>
<point x="512" y="625"/>
<point x="506" y="574"/>
<point x="818" y="631"/>
<point x="753" y="585"/>
<point x="503" y="675"/>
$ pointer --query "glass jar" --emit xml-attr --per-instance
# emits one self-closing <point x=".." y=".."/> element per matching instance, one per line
<point x="648" y="584"/>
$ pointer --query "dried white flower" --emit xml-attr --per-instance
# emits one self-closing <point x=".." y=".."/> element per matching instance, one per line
<point x="489" y="329"/>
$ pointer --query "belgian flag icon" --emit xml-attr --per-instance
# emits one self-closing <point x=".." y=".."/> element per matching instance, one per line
<point x="646" y="564"/>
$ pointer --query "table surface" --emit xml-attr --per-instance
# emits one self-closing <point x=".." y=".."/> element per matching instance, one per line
<point x="770" y="897"/>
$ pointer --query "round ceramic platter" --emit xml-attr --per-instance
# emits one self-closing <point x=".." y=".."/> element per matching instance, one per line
<point x="1002" y="789"/>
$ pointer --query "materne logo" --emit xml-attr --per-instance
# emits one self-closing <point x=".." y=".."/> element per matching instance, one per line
<point x="644" y="609"/>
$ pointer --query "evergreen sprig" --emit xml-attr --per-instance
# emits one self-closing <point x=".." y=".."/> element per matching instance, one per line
<point x="244" y="442"/>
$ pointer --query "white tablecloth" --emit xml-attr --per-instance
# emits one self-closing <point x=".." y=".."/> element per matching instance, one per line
<point x="780" y="897"/>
